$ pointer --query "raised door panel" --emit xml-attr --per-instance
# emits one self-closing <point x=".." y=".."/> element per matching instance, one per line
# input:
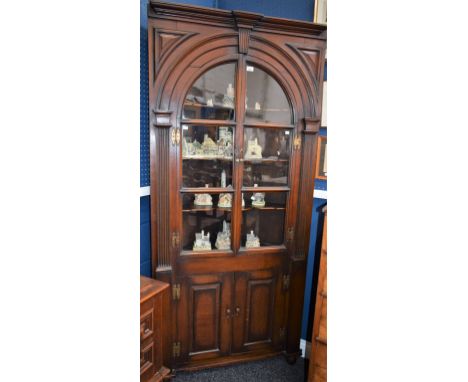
<point x="257" y="312"/>
<point x="202" y="319"/>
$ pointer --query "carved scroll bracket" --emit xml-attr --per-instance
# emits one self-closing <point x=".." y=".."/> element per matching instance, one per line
<point x="311" y="125"/>
<point x="245" y="23"/>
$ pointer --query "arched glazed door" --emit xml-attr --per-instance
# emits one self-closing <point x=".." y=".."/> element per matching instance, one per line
<point x="237" y="128"/>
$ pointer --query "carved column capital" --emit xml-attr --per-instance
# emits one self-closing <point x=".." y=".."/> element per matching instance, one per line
<point x="161" y="118"/>
<point x="311" y="125"/>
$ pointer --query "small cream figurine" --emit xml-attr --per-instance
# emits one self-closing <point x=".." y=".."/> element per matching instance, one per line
<point x="225" y="201"/>
<point x="228" y="100"/>
<point x="223" y="240"/>
<point x="257" y="106"/>
<point x="258" y="198"/>
<point x="203" y="200"/>
<point x="202" y="242"/>
<point x="209" y="103"/>
<point x="252" y="240"/>
<point x="254" y="150"/>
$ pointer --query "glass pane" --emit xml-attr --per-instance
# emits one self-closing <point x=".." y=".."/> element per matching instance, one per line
<point x="266" y="101"/>
<point x="266" y="157"/>
<point x="212" y="95"/>
<point x="263" y="219"/>
<point x="207" y="156"/>
<point x="206" y="225"/>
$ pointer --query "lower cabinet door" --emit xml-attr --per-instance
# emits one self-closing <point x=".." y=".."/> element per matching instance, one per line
<point x="204" y="316"/>
<point x="258" y="311"/>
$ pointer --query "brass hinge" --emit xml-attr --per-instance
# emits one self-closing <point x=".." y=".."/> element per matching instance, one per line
<point x="176" y="292"/>
<point x="175" y="239"/>
<point x="297" y="143"/>
<point x="176" y="349"/>
<point x="282" y="332"/>
<point x="175" y="136"/>
<point x="286" y="281"/>
<point x="290" y="235"/>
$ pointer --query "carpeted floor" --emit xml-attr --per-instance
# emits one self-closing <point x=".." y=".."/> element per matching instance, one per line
<point x="268" y="370"/>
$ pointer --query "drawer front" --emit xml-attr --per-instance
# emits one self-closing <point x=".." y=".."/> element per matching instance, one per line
<point x="146" y="325"/>
<point x="147" y="360"/>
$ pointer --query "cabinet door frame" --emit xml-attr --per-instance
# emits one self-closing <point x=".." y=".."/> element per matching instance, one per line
<point x="244" y="310"/>
<point x="192" y="309"/>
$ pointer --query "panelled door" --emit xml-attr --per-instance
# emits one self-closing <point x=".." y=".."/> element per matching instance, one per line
<point x="204" y="327"/>
<point x="258" y="312"/>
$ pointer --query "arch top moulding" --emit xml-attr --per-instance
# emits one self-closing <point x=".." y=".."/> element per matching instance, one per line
<point x="235" y="32"/>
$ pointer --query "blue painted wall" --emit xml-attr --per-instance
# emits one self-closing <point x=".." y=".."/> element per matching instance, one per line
<point x="294" y="9"/>
<point x="145" y="237"/>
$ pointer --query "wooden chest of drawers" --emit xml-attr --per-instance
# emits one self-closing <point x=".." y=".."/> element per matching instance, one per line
<point x="152" y="294"/>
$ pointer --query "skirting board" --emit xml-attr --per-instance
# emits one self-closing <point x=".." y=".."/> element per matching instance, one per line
<point x="320" y="194"/>
<point x="305" y="348"/>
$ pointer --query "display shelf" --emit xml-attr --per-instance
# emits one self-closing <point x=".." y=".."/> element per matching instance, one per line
<point x="209" y="158"/>
<point x="208" y="122"/>
<point x="269" y="125"/>
<point x="206" y="190"/>
<point x="265" y="160"/>
<point x="212" y="253"/>
<point x="265" y="189"/>
<point x="195" y="208"/>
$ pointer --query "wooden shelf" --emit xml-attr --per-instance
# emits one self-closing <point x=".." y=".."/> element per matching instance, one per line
<point x="266" y="189"/>
<point x="272" y="125"/>
<point x="195" y="208"/>
<point x="206" y="190"/>
<point x="199" y="106"/>
<point x="266" y="160"/>
<point x="208" y="122"/>
<point x="209" y="158"/>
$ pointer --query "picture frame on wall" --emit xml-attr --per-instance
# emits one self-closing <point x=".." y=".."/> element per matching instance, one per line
<point x="320" y="12"/>
<point x="321" y="162"/>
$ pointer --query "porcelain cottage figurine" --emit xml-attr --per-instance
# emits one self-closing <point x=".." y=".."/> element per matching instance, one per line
<point x="202" y="242"/>
<point x="203" y="200"/>
<point x="209" y="147"/>
<point x="258" y="199"/>
<point x="225" y="200"/>
<point x="223" y="240"/>
<point x="254" y="150"/>
<point x="252" y="240"/>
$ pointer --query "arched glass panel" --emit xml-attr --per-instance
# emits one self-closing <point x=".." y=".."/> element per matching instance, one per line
<point x="266" y="101"/>
<point x="212" y="95"/>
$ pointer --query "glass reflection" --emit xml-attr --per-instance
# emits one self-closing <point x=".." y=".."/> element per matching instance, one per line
<point x="212" y="96"/>
<point x="266" y="100"/>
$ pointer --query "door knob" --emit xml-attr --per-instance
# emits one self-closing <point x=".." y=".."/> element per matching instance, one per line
<point x="237" y="311"/>
<point x="228" y="313"/>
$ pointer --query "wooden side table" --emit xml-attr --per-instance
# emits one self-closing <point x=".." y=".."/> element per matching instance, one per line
<point x="152" y="293"/>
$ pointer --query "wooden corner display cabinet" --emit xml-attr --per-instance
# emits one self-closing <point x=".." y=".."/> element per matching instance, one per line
<point x="234" y="111"/>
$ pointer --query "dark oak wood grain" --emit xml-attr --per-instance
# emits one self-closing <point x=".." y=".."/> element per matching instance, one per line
<point x="245" y="303"/>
